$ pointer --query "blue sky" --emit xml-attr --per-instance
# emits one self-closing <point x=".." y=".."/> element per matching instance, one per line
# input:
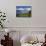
<point x="23" y="9"/>
<point x="23" y="6"/>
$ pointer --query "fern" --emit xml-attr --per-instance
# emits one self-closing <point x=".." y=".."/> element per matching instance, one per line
<point x="2" y="19"/>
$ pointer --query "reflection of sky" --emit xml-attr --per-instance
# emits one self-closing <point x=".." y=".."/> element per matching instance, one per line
<point x="23" y="9"/>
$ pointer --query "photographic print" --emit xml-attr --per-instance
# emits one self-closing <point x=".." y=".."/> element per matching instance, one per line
<point x="23" y="11"/>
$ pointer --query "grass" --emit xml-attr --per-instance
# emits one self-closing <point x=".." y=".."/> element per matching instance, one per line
<point x="24" y="15"/>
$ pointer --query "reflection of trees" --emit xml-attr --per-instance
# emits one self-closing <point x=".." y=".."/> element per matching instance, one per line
<point x="17" y="15"/>
<point x="29" y="13"/>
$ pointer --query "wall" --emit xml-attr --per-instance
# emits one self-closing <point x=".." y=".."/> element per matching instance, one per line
<point x="38" y="13"/>
<point x="9" y="7"/>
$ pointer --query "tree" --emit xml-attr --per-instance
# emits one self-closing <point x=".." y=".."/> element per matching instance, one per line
<point x="2" y="19"/>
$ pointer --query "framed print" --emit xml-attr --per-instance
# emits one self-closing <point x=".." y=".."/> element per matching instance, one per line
<point x="23" y="11"/>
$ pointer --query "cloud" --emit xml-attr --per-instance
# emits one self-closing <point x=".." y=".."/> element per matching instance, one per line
<point x="20" y="9"/>
<point x="28" y="9"/>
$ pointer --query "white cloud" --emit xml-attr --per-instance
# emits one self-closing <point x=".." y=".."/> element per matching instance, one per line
<point x="28" y="9"/>
<point x="20" y="9"/>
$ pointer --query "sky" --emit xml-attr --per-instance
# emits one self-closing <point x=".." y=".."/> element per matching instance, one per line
<point x="23" y="9"/>
<point x="23" y="6"/>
